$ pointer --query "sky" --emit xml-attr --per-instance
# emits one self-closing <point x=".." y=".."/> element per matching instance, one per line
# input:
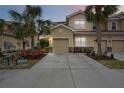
<point x="52" y="12"/>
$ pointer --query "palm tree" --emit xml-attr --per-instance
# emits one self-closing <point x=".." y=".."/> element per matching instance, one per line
<point x="25" y="22"/>
<point x="2" y="23"/>
<point x="31" y="14"/>
<point x="98" y="14"/>
<point x="43" y="27"/>
<point x="18" y="26"/>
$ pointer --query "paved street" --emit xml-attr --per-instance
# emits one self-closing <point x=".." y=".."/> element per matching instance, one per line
<point x="63" y="71"/>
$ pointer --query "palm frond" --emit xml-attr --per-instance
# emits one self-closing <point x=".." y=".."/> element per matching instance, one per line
<point x="15" y="15"/>
<point x="99" y="14"/>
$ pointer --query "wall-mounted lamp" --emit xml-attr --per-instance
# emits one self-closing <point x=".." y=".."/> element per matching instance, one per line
<point x="109" y="41"/>
<point x="96" y="40"/>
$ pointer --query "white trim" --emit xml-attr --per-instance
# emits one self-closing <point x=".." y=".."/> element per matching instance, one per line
<point x="63" y="26"/>
<point x="80" y="11"/>
<point x="117" y="16"/>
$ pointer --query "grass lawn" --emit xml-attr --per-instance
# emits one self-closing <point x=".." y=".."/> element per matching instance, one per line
<point x="32" y="62"/>
<point x="109" y="62"/>
<point x="113" y="64"/>
<point x="28" y="65"/>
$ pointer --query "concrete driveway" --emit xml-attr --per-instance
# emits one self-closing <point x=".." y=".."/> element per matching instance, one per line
<point x="63" y="71"/>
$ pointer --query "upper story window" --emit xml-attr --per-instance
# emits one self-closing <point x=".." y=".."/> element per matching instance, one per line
<point x="80" y="42"/>
<point x="114" y="25"/>
<point x="80" y="24"/>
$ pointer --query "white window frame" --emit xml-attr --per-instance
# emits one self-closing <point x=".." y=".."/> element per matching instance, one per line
<point x="80" y="24"/>
<point x="80" y="42"/>
<point x="115" y="25"/>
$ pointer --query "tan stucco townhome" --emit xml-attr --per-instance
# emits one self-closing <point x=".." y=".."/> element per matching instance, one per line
<point x="76" y="33"/>
<point x="9" y="41"/>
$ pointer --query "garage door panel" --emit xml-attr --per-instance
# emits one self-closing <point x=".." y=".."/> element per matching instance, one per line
<point x="60" y="45"/>
<point x="117" y="46"/>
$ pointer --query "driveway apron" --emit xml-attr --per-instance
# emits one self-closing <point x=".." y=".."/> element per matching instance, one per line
<point x="63" y="71"/>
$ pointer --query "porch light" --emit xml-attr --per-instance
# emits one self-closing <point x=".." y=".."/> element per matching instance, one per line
<point x="96" y="40"/>
<point x="109" y="41"/>
<point x="102" y="8"/>
<point x="50" y="39"/>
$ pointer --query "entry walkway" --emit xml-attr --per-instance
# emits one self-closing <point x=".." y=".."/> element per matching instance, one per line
<point x="63" y="71"/>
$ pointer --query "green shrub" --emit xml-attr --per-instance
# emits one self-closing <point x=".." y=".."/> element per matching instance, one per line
<point x="37" y="48"/>
<point x="44" y="43"/>
<point x="88" y="50"/>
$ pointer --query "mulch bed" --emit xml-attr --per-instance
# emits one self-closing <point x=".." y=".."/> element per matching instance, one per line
<point x="103" y="57"/>
<point x="30" y="63"/>
<point x="108" y="61"/>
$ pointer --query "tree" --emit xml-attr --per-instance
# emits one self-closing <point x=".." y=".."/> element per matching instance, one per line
<point x="98" y="14"/>
<point x="25" y="22"/>
<point x="2" y="23"/>
<point x="43" y="28"/>
<point x="44" y="43"/>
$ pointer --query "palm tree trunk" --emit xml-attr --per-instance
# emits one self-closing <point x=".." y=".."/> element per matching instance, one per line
<point x="2" y="41"/>
<point x="99" y="38"/>
<point x="38" y="39"/>
<point x="32" y="42"/>
<point x="23" y="45"/>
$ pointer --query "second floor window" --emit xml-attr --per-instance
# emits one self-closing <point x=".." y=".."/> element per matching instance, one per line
<point x="114" y="25"/>
<point x="80" y="24"/>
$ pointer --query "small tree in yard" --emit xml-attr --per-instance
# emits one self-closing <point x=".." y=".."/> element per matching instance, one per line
<point x="44" y="43"/>
<point x="98" y="14"/>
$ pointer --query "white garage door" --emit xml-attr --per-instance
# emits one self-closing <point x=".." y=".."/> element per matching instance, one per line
<point x="117" y="46"/>
<point x="60" y="45"/>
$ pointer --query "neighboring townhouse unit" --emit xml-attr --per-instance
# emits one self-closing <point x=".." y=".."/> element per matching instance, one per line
<point x="9" y="41"/>
<point x="76" y="34"/>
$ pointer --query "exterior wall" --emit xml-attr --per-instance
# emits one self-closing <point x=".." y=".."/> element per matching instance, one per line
<point x="14" y="41"/>
<point x="90" y="40"/>
<point x="104" y="25"/>
<point x="110" y="24"/>
<point x="61" y="32"/>
<point x="121" y="25"/>
<point x="88" y="25"/>
<point x="79" y="17"/>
